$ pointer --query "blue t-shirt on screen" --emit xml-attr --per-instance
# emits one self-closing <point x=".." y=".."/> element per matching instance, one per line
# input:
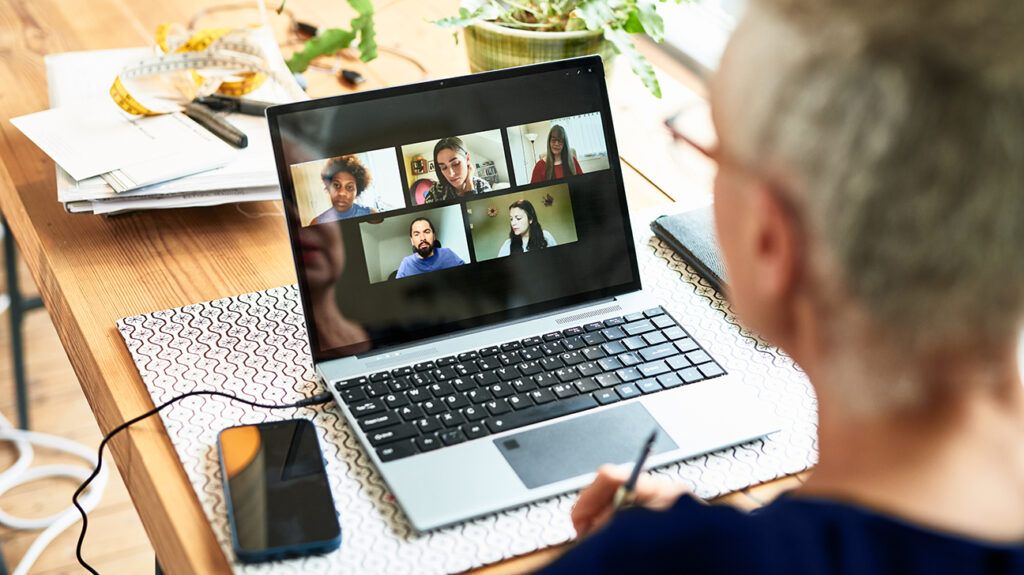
<point x="442" y="258"/>
<point x="793" y="536"/>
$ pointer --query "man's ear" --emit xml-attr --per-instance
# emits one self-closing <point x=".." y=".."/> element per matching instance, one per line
<point x="778" y="242"/>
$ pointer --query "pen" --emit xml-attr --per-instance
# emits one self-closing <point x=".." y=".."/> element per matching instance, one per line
<point x="229" y="104"/>
<point x="220" y="127"/>
<point x="624" y="493"/>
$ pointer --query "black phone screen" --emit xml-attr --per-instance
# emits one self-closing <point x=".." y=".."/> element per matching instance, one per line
<point x="279" y="500"/>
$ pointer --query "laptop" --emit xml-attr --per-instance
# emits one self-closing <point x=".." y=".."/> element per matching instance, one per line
<point x="472" y="296"/>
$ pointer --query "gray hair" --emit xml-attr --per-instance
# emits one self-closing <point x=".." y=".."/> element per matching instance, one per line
<point x="896" y="130"/>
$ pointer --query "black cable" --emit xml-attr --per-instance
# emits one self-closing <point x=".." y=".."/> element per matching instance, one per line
<point x="318" y="399"/>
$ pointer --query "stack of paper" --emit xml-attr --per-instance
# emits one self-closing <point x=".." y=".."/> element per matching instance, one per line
<point x="110" y="162"/>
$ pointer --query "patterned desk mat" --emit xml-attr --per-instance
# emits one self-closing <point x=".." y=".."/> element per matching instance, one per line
<point x="254" y="345"/>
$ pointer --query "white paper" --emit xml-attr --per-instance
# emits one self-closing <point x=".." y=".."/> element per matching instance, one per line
<point x="93" y="136"/>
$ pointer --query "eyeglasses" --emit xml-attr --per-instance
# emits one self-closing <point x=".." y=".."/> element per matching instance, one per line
<point x="692" y="126"/>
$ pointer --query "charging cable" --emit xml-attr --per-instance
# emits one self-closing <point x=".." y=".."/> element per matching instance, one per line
<point x="20" y="473"/>
<point x="98" y="472"/>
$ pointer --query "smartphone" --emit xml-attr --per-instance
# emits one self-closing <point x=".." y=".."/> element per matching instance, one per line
<point x="278" y="498"/>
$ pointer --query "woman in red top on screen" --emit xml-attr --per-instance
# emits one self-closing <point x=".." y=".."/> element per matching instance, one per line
<point x="564" y="163"/>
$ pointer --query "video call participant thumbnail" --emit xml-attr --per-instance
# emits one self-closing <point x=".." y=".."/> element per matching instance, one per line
<point x="525" y="231"/>
<point x="345" y="178"/>
<point x="428" y="255"/>
<point x="560" y="159"/>
<point x="453" y="165"/>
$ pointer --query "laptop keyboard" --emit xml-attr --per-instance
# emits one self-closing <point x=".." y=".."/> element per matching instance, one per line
<point x="430" y="405"/>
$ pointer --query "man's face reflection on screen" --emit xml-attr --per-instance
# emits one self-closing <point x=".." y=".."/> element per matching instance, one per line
<point x="323" y="257"/>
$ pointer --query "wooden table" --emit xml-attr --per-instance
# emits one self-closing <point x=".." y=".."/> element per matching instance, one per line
<point x="93" y="270"/>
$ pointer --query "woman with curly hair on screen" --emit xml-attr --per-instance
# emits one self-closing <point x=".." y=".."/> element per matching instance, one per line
<point x="345" y="178"/>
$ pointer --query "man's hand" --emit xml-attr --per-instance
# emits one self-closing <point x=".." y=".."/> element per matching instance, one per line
<point x="594" y="507"/>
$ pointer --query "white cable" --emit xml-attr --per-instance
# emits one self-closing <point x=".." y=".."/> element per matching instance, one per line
<point x="21" y="473"/>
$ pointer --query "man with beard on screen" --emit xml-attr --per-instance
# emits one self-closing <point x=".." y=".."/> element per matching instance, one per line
<point x="429" y="256"/>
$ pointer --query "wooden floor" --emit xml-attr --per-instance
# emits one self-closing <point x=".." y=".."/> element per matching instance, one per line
<point x="116" y="542"/>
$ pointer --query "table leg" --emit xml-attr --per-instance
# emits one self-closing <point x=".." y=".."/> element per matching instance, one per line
<point x="19" y="305"/>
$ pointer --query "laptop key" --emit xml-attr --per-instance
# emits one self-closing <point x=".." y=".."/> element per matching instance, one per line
<point x="630" y="358"/>
<point x="463" y="383"/>
<point x="474" y="430"/>
<point x="417" y="395"/>
<point x="379" y="376"/>
<point x="674" y="333"/>
<point x="410" y="412"/>
<point x="399" y="384"/>
<point x="474" y="413"/>
<point x="572" y="331"/>
<point x="376" y="389"/>
<point x="395" y="400"/>
<point x="510" y="358"/>
<point x="613" y="333"/>
<point x="510" y="345"/>
<point x="447" y="360"/>
<point x="486" y="378"/>
<point x="588" y="369"/>
<point x="595" y="326"/>
<point x="553" y="336"/>
<point x="452" y="436"/>
<point x="610" y="364"/>
<point x="627" y="391"/>
<point x="653" y="369"/>
<point x="686" y="345"/>
<point x="691" y="375"/>
<point x="360" y="381"/>
<point x="540" y="413"/>
<point x="634" y="343"/>
<point x="552" y="348"/>
<point x="649" y="385"/>
<point x="455" y="401"/>
<point x="575" y="342"/>
<point x="638" y="328"/>
<point x="663" y="321"/>
<point x="400" y="371"/>
<point x="593" y="339"/>
<point x="497" y="407"/>
<point x="433" y="406"/>
<point x="658" y="352"/>
<point x="564" y="390"/>
<point x="379" y="420"/>
<point x="425" y="366"/>
<point x="523" y="385"/>
<point x="488" y="364"/>
<point x="428" y="424"/>
<point x="486" y="351"/>
<point x="393" y="434"/>
<point x="654" y="338"/>
<point x="452" y="419"/>
<point x="479" y="395"/>
<point x="607" y="379"/>
<point x="352" y="394"/>
<point x="519" y="401"/>
<point x="586" y="385"/>
<point x="441" y="389"/>
<point x="545" y="379"/>
<point x="654" y="311"/>
<point x="614" y="321"/>
<point x="606" y="396"/>
<point x="698" y="357"/>
<point x="428" y="443"/>
<point x="397" y="450"/>
<point x="528" y="368"/>
<point x="572" y="358"/>
<point x="365" y="408"/>
<point x="613" y="348"/>
<point x="633" y="316"/>
<point x="444" y="373"/>
<point x="678" y="362"/>
<point x="501" y="390"/>
<point x="567" y="374"/>
<point x="507" y="373"/>
<point x="710" y="369"/>
<point x="468" y="355"/>
<point x="465" y="369"/>
<point x="669" y="380"/>
<point x="531" y="341"/>
<point x="531" y="353"/>
<point x="629" y="374"/>
<point x="540" y="396"/>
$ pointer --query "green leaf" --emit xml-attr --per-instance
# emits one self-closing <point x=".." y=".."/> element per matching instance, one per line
<point x="466" y="17"/>
<point x="326" y="42"/>
<point x="363" y="25"/>
<point x="650" y="20"/>
<point x="633" y="25"/>
<point x="575" y="24"/>
<point x="598" y="14"/>
<point x="641" y="67"/>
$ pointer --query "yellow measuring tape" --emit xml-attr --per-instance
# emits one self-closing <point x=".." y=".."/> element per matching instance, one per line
<point x="228" y="61"/>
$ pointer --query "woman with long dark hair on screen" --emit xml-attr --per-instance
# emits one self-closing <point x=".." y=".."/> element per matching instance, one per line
<point x="525" y="233"/>
<point x="455" y="173"/>
<point x="560" y="160"/>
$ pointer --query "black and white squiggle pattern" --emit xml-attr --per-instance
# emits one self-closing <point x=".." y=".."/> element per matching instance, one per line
<point x="254" y="345"/>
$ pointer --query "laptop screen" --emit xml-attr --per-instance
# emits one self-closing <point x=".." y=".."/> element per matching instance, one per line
<point x="425" y="209"/>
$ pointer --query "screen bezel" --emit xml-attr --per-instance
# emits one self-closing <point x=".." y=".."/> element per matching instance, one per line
<point x="290" y="202"/>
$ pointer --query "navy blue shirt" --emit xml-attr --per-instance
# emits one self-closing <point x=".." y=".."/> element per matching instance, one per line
<point x="794" y="535"/>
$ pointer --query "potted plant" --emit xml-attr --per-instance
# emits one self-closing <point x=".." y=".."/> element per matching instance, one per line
<point x="504" y="33"/>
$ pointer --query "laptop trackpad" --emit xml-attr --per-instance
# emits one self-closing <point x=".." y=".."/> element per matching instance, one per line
<point x="581" y="445"/>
